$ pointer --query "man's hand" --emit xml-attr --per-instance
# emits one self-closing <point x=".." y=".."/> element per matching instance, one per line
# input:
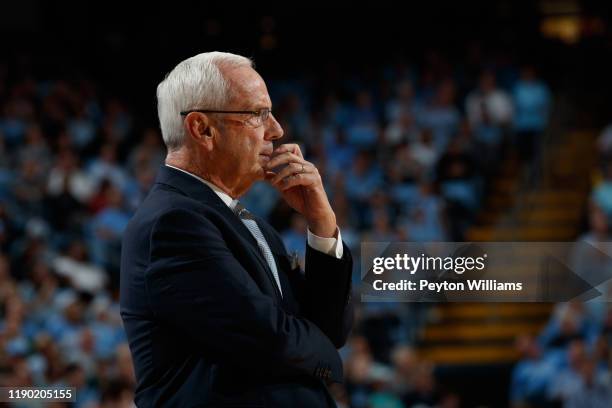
<point x="301" y="186"/>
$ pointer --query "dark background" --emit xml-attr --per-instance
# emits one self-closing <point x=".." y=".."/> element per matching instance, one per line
<point x="129" y="48"/>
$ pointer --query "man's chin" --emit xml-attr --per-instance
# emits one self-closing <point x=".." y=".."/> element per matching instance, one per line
<point x="259" y="174"/>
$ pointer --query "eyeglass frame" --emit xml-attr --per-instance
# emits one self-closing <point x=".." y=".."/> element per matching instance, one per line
<point x="258" y="113"/>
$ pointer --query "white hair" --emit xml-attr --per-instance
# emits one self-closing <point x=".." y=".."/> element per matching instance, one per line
<point x="195" y="83"/>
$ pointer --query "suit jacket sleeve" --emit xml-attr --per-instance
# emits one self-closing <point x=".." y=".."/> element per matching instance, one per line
<point x="197" y="286"/>
<point x="326" y="293"/>
<point x="323" y="290"/>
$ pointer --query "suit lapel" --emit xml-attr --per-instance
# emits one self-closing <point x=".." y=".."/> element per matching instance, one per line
<point x="283" y="264"/>
<point x="245" y="233"/>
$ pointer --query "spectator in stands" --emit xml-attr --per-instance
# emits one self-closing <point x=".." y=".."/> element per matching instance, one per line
<point x="405" y="364"/>
<point x="117" y="394"/>
<point x="363" y="130"/>
<point x="5" y="166"/>
<point x="425" y="219"/>
<point x="344" y="219"/>
<point x="149" y="152"/>
<point x="75" y="377"/>
<point x="592" y="389"/>
<point x="297" y="118"/>
<point x="401" y="130"/>
<point x="335" y="113"/>
<point x="456" y="174"/>
<point x="382" y="229"/>
<point x="405" y="165"/>
<point x="568" y="322"/>
<point x="403" y="104"/>
<point x="602" y="194"/>
<point x="81" y="129"/>
<point x="138" y="186"/>
<point x="17" y="113"/>
<point x="293" y="238"/>
<point x="604" y="142"/>
<point x="589" y="259"/>
<point x="532" y="102"/>
<point x="107" y="167"/>
<point x="35" y="148"/>
<point x="424" y="152"/>
<point x="29" y="188"/>
<point x="68" y="191"/>
<point x="339" y="153"/>
<point x="532" y="375"/>
<point x="581" y="383"/>
<point x="107" y="230"/>
<point x="488" y="139"/>
<point x="441" y="115"/>
<point x="363" y="178"/>
<point x="488" y="103"/>
<point x="364" y="376"/>
<point x="424" y="392"/>
<point x="117" y="121"/>
<point x="74" y="266"/>
<point x="7" y="228"/>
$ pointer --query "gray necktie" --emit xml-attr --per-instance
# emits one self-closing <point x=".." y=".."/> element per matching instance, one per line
<point x="247" y="219"/>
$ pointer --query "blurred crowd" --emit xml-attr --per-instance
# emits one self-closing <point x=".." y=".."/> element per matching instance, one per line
<point x="569" y="363"/>
<point x="407" y="154"/>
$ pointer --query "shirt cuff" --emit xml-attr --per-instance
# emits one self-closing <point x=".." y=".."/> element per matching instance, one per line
<point x="330" y="246"/>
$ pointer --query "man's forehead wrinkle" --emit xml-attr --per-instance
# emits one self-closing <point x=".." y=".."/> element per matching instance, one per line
<point x="248" y="90"/>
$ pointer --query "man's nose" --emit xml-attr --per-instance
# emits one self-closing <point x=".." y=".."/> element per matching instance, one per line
<point x="273" y="129"/>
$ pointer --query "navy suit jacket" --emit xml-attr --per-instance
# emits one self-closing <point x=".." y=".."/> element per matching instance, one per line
<point x="206" y="323"/>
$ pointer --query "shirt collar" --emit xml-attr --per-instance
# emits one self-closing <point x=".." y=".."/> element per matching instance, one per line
<point x="229" y="201"/>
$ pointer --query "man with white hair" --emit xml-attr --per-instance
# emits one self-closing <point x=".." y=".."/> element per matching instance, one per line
<point x="215" y="312"/>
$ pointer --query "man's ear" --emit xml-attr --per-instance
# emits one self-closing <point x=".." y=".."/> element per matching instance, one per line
<point x="199" y="128"/>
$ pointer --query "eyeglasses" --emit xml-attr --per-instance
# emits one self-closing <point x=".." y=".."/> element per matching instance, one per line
<point x="257" y="119"/>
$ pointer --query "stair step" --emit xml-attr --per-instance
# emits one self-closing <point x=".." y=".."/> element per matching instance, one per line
<point x="479" y="234"/>
<point x="493" y="310"/>
<point x="480" y="331"/>
<point x="488" y="217"/>
<point x="506" y="185"/>
<point x="531" y="235"/>
<point x="463" y="354"/>
<point x="555" y="198"/>
<point x="517" y="233"/>
<point x="500" y="201"/>
<point x="551" y="214"/>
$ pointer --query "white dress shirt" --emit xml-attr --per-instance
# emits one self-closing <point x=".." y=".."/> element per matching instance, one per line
<point x="330" y="246"/>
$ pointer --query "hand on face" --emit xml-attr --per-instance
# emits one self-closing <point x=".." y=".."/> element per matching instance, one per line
<point x="301" y="186"/>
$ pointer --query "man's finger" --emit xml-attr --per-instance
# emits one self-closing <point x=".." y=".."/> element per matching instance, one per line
<point x="283" y="158"/>
<point x="304" y="179"/>
<point x="292" y="168"/>
<point x="291" y="148"/>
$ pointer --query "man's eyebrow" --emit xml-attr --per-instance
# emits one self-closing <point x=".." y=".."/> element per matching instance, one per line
<point x="252" y="106"/>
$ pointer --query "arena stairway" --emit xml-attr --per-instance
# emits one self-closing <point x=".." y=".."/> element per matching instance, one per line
<point x="517" y="210"/>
